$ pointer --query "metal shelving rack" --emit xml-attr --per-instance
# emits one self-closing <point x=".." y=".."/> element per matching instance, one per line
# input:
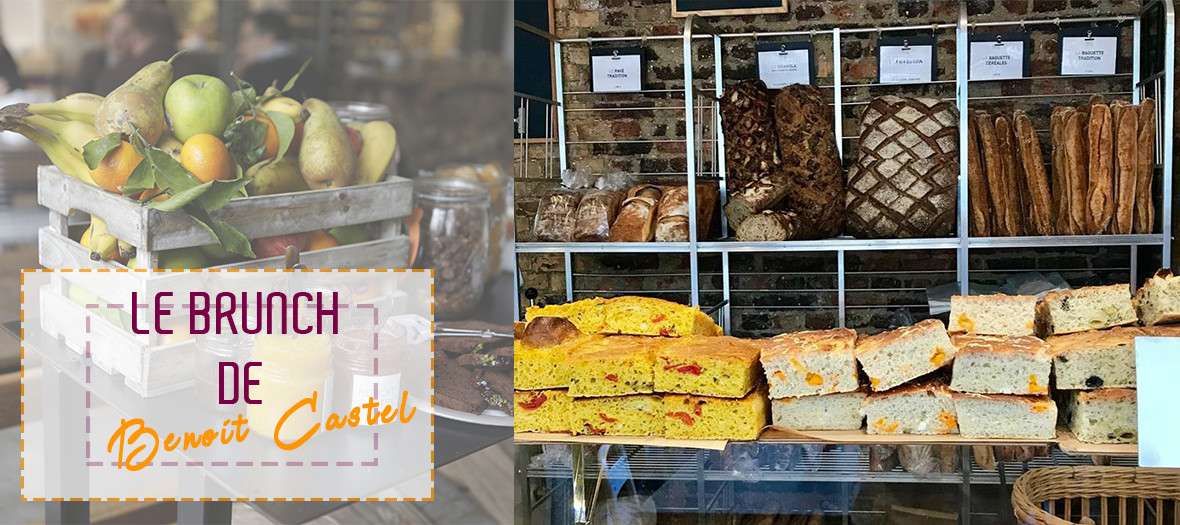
<point x="703" y="127"/>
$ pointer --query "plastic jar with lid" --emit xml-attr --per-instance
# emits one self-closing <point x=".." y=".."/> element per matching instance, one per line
<point x="293" y="368"/>
<point x="367" y="364"/>
<point x="453" y="240"/>
<point x="497" y="184"/>
<point x="212" y="350"/>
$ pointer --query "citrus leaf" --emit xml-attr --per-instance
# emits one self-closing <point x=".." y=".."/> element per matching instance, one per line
<point x="295" y="78"/>
<point x="97" y="149"/>
<point x="286" y="129"/>
<point x="221" y="192"/>
<point x="181" y="199"/>
<point x="170" y="175"/>
<point x="142" y="178"/>
<point x="246" y="140"/>
<point x="137" y="141"/>
<point x="227" y="236"/>
<point x="245" y="97"/>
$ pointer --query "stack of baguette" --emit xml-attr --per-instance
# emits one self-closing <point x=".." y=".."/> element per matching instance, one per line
<point x="644" y="213"/>
<point x="1101" y="160"/>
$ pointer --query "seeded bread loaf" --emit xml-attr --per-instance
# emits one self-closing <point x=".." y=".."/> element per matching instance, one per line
<point x="996" y="314"/>
<point x="635" y="415"/>
<point x="746" y="116"/>
<point x="1013" y="179"/>
<point x="825" y="412"/>
<point x="720" y="366"/>
<point x="1086" y="308"/>
<point x="770" y="225"/>
<point x="1001" y="365"/>
<point x="894" y="357"/>
<point x="1094" y="359"/>
<point x="807" y="148"/>
<point x="1158" y="300"/>
<point x="1103" y="416"/>
<point x="1005" y="416"/>
<point x="810" y="363"/>
<point x="923" y="408"/>
<point x="541" y="411"/>
<point x="696" y="417"/>
<point x="981" y="210"/>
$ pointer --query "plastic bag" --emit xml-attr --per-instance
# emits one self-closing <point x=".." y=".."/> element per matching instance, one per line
<point x="741" y="459"/>
<point x="553" y="456"/>
<point x="882" y="458"/>
<point x="918" y="460"/>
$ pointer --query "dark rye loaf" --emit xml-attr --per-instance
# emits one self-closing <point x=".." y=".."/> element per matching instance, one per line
<point x="748" y="123"/>
<point x="807" y="144"/>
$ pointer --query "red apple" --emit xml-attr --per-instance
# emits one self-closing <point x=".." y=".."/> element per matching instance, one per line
<point x="277" y="246"/>
<point x="356" y="139"/>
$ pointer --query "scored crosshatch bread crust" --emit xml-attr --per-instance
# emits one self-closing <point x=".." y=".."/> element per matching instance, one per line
<point x="1103" y="416"/>
<point x="719" y="366"/>
<point x="1005" y="416"/>
<point x="894" y="357"/>
<point x="919" y="408"/>
<point x="824" y="412"/>
<point x="613" y="366"/>
<point x="1094" y="359"/>
<point x="996" y="314"/>
<point x="1158" y="300"/>
<point x="809" y="363"/>
<point x="1001" y="365"/>
<point x="635" y="415"/>
<point x="1086" y="308"/>
<point x="697" y="417"/>
<point x="541" y="411"/>
<point x="630" y="315"/>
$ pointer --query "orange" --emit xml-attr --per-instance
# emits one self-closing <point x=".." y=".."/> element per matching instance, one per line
<point x="320" y="239"/>
<point x="112" y="172"/>
<point x="207" y="158"/>
<point x="272" y="138"/>
<point x="153" y="191"/>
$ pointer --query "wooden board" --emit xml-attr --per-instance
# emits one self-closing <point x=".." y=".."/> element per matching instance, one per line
<point x="528" y="438"/>
<point x="775" y="436"/>
<point x="683" y="8"/>
<point x="1070" y="445"/>
<point x="261" y="216"/>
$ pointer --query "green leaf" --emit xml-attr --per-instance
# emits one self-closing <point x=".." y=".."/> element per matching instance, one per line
<point x="142" y="178"/>
<point x="138" y="142"/>
<point x="181" y="199"/>
<point x="170" y="175"/>
<point x="246" y="96"/>
<point x="295" y="78"/>
<point x="246" y="140"/>
<point x="286" y="129"/>
<point x="97" y="149"/>
<point x="221" y="192"/>
<point x="229" y="237"/>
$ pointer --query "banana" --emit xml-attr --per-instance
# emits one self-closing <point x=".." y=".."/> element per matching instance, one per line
<point x="102" y="244"/>
<point x="126" y="250"/>
<point x="287" y="106"/>
<point x="70" y="132"/>
<point x="379" y="141"/>
<point x="65" y="157"/>
<point x="79" y="107"/>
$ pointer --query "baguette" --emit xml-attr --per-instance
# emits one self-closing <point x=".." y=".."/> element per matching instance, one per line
<point x="637" y="216"/>
<point x="1076" y="170"/>
<point x="1100" y="189"/>
<point x="976" y="183"/>
<point x="1007" y="150"/>
<point x="1060" y="167"/>
<point x="1145" y="168"/>
<point x="1040" y="200"/>
<point x="1126" y="131"/>
<point x="1005" y="220"/>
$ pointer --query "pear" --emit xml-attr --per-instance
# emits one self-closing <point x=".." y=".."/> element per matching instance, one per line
<point x="326" y="157"/>
<point x="139" y="101"/>
<point x="269" y="177"/>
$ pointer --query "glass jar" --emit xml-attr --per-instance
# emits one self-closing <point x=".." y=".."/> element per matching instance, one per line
<point x="212" y="350"/>
<point x="293" y="368"/>
<point x="453" y="240"/>
<point x="497" y="184"/>
<point x="367" y="365"/>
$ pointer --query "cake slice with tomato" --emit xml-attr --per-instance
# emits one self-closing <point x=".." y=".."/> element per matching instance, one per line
<point x="634" y="415"/>
<point x="613" y="366"/>
<point x="541" y="411"/>
<point x="699" y="417"/>
<point x="720" y="366"/>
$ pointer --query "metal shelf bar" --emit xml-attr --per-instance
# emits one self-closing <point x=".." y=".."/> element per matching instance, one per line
<point x="1065" y="241"/>
<point x="1055" y="21"/>
<point x="962" y="255"/>
<point x="1169" y="109"/>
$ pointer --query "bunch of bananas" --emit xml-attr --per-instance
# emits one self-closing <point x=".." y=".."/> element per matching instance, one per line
<point x="62" y="129"/>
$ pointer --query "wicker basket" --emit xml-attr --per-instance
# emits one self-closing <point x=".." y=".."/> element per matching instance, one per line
<point x="1097" y="495"/>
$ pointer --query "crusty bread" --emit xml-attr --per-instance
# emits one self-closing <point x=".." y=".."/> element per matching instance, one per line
<point x="1004" y="416"/>
<point x="923" y="408"/>
<point x="636" y="219"/>
<point x="1125" y="120"/>
<point x="809" y="363"/>
<point x="1040" y="200"/>
<point x="1005" y="143"/>
<point x="1161" y="330"/>
<point x="894" y="357"/>
<point x="1094" y="359"/>
<point x="1158" y="300"/>
<point x="996" y="314"/>
<point x="1001" y="365"/>
<point x="769" y="225"/>
<point x="1059" y="169"/>
<point x="826" y="412"/>
<point x="1076" y="158"/>
<point x="1100" y="189"/>
<point x="1006" y="219"/>
<point x="981" y="211"/>
<point x="1103" y="416"/>
<point x="1086" y="308"/>
<point x="1145" y="168"/>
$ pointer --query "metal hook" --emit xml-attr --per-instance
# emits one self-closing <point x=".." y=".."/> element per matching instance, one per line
<point x="1089" y="34"/>
<point x="811" y="35"/>
<point x="755" y="38"/>
<point x="999" y="40"/>
<point x="1023" y="27"/>
<point x="905" y="44"/>
<point x="614" y="53"/>
<point x="782" y="49"/>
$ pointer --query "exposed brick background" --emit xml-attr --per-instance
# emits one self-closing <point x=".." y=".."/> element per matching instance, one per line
<point x="772" y="293"/>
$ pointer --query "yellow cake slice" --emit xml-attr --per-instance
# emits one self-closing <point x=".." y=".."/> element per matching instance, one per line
<point x="538" y="368"/>
<point x="720" y="366"/>
<point x="541" y="411"/>
<point x="698" y="417"/>
<point x="613" y="366"/>
<point x="631" y="315"/>
<point x="637" y="415"/>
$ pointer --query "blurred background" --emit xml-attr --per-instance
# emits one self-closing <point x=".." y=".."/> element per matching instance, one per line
<point x="442" y="68"/>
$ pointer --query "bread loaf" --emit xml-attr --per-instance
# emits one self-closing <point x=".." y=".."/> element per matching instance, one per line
<point x="556" y="215"/>
<point x="981" y="212"/>
<point x="807" y="151"/>
<point x="1006" y="221"/>
<point x="1059" y="170"/>
<point x="1145" y="168"/>
<point x="903" y="183"/>
<point x="596" y="213"/>
<point x="1126" y="140"/>
<point x="672" y="213"/>
<point x="769" y="225"/>
<point x="748" y="123"/>
<point x="1038" y="196"/>
<point x="1014" y="206"/>
<point x="753" y="196"/>
<point x="636" y="220"/>
<point x="1077" y="169"/>
<point x="1100" y="185"/>
<point x="707" y="197"/>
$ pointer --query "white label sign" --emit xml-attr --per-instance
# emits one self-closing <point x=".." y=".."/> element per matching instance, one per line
<point x="997" y="60"/>
<point x="616" y="74"/>
<point x="1157" y="365"/>
<point x="906" y="65"/>
<point x="1088" y="56"/>
<point x="783" y="68"/>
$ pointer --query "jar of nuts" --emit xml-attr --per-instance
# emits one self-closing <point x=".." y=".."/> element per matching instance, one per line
<point x="496" y="182"/>
<point x="453" y="240"/>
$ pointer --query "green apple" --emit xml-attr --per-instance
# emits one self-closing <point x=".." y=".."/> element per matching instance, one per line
<point x="349" y="234"/>
<point x="217" y="252"/>
<point x="198" y="104"/>
<point x="183" y="258"/>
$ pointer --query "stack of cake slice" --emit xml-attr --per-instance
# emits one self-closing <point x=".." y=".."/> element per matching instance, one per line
<point x="893" y="358"/>
<point x="540" y="376"/>
<point x="1094" y="372"/>
<point x="813" y="380"/>
<point x="712" y="388"/>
